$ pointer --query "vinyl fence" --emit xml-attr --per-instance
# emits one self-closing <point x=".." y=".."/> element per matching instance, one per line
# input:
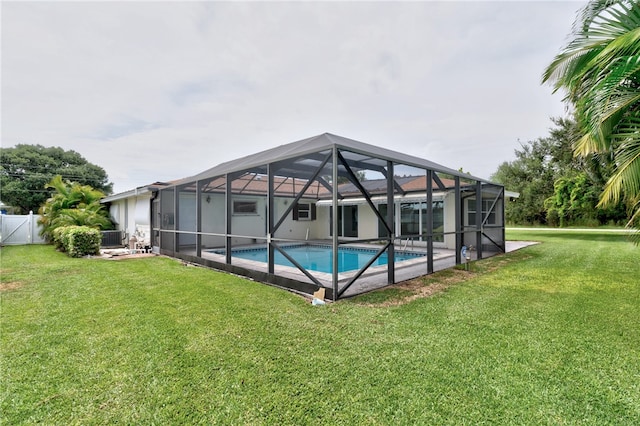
<point x="20" y="229"/>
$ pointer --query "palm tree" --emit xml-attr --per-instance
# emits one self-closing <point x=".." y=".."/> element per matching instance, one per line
<point x="600" y="71"/>
<point x="72" y="204"/>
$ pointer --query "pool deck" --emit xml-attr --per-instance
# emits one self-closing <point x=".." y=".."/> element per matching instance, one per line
<point x="373" y="278"/>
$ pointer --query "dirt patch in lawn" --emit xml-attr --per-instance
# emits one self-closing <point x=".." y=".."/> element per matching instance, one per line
<point x="427" y="286"/>
<point x="121" y="254"/>
<point x="14" y="285"/>
<point x="129" y="256"/>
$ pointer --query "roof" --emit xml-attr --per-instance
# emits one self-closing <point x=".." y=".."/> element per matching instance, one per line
<point x="406" y="183"/>
<point x="256" y="184"/>
<point x="135" y="192"/>
<point x="300" y="159"/>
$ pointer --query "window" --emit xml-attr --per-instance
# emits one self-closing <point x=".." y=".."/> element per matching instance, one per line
<point x="245" y="207"/>
<point x="347" y="227"/>
<point x="438" y="220"/>
<point x="486" y="205"/>
<point x="409" y="219"/>
<point x="414" y="219"/>
<point x="304" y="211"/>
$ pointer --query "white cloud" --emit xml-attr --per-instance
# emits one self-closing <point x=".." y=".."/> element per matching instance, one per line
<point x="163" y="90"/>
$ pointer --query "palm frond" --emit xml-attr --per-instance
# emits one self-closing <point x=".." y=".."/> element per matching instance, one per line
<point x="626" y="179"/>
<point x="634" y="223"/>
<point x="589" y="12"/>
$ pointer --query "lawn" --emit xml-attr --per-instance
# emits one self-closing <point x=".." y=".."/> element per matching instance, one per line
<point x="545" y="335"/>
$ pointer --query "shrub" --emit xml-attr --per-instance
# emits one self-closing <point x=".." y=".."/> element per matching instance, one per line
<point x="77" y="241"/>
<point x="57" y="237"/>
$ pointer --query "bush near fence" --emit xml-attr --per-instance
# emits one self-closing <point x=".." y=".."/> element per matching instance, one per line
<point x="77" y="241"/>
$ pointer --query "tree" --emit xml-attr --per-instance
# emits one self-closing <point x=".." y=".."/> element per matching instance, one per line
<point x="600" y="71"/>
<point x="573" y="201"/>
<point x="537" y="166"/>
<point x="544" y="168"/>
<point x="72" y="204"/>
<point x="530" y="175"/>
<point x="25" y="171"/>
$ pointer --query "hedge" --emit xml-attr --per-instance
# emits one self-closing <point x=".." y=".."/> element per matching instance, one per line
<point x="77" y="241"/>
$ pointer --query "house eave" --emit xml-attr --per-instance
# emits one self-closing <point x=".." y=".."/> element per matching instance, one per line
<point x="412" y="197"/>
<point x="127" y="194"/>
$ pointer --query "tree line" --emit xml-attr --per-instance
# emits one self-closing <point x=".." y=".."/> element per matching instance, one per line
<point x="557" y="188"/>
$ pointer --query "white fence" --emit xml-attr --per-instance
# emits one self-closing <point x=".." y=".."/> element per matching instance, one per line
<point x="20" y="229"/>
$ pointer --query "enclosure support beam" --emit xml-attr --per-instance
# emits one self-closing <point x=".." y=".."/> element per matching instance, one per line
<point x="479" y="220"/>
<point x="198" y="219"/>
<point x="395" y="184"/>
<point x="458" y="220"/>
<point x="176" y="218"/>
<point x="391" y="272"/>
<point x="227" y="218"/>
<point x="441" y="185"/>
<point x="502" y="224"/>
<point x="126" y="222"/>
<point x="270" y="213"/>
<point x="334" y="223"/>
<point x="429" y="221"/>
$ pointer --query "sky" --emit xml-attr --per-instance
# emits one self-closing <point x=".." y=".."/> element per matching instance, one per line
<point x="157" y="91"/>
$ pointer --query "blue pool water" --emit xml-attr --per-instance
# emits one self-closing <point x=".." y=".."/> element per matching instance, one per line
<point x="319" y="258"/>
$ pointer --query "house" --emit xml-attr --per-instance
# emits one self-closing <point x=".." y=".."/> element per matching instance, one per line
<point x="286" y="196"/>
<point x="130" y="212"/>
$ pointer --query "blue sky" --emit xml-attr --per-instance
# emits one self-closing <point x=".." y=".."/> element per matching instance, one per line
<point x="155" y="91"/>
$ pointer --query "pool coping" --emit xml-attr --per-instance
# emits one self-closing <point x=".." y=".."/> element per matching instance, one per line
<point x="326" y="279"/>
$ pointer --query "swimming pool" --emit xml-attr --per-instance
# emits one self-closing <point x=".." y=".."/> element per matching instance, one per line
<point x="319" y="257"/>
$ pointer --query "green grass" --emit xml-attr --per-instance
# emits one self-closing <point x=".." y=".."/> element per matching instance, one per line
<point x="546" y="335"/>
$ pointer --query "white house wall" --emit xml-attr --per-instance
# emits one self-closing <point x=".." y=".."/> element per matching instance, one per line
<point x="131" y="213"/>
<point x="450" y="220"/>
<point x="249" y="228"/>
<point x="116" y="213"/>
<point x="187" y="218"/>
<point x="322" y="226"/>
<point x="367" y="222"/>
<point x="293" y="229"/>
<point x="250" y="225"/>
<point x="213" y="212"/>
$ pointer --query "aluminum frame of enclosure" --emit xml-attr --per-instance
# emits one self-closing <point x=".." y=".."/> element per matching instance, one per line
<point x="251" y="201"/>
